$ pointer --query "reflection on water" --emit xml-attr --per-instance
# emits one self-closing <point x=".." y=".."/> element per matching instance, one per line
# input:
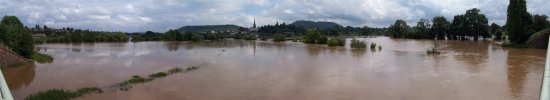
<point x="264" y="70"/>
<point x="19" y="76"/>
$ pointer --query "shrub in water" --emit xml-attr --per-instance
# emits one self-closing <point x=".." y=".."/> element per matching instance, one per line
<point x="358" y="44"/>
<point x="336" y="42"/>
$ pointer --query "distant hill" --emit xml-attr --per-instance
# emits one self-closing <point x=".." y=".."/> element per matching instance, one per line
<point x="205" y="28"/>
<point x="312" y="24"/>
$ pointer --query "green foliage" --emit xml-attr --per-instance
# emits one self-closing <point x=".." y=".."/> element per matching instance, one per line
<point x="336" y="41"/>
<point x="518" y="22"/>
<point x="422" y="30"/>
<point x="279" y="38"/>
<point x="440" y="27"/>
<point x="432" y="51"/>
<point x="313" y="36"/>
<point x="53" y="94"/>
<point x="358" y="44"/>
<point x="373" y="45"/>
<point x="80" y="36"/>
<point x="137" y="79"/>
<point x="540" y="22"/>
<point x="399" y="29"/>
<point x="42" y="58"/>
<point x="175" y="70"/>
<point x="191" y="68"/>
<point x="496" y="31"/>
<point x="60" y="94"/>
<point x="14" y="35"/>
<point x="366" y="31"/>
<point x="158" y="75"/>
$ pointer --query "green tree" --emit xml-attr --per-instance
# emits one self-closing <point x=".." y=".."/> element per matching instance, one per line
<point x="366" y="31"/>
<point x="519" y="21"/>
<point x="540" y="22"/>
<point x="399" y="29"/>
<point x="457" y="28"/>
<point x="496" y="31"/>
<point x="440" y="27"/>
<point x="477" y="23"/>
<point x="422" y="30"/>
<point x="15" y="36"/>
<point x="172" y="35"/>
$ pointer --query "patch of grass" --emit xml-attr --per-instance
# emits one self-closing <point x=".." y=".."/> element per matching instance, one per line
<point x="175" y="70"/>
<point x="191" y="68"/>
<point x="60" y="94"/>
<point x="53" y="94"/>
<point x="513" y="45"/>
<point x="42" y="58"/>
<point x="358" y="44"/>
<point x="87" y="90"/>
<point x="158" y="75"/>
<point x="335" y="41"/>
<point x="137" y="79"/>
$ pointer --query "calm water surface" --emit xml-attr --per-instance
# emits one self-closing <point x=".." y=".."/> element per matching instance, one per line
<point x="257" y="70"/>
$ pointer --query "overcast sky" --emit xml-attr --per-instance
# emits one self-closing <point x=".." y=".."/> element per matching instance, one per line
<point x="161" y="15"/>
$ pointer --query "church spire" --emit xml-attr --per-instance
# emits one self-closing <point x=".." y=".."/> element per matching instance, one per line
<point x="254" y="25"/>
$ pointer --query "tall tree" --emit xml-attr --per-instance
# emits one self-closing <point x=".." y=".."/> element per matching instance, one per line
<point x="457" y="28"/>
<point x="496" y="31"/>
<point x="440" y="27"/>
<point x="518" y="23"/>
<point x="422" y="29"/>
<point x="16" y="36"/>
<point x="540" y="22"/>
<point x="399" y="29"/>
<point x="477" y="22"/>
<point x="366" y="30"/>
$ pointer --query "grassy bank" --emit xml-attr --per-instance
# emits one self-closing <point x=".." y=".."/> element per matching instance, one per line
<point x="62" y="94"/>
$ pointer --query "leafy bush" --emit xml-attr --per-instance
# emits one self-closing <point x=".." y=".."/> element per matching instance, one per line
<point x="315" y="37"/>
<point x="335" y="41"/>
<point x="279" y="38"/>
<point x="432" y="51"/>
<point x="158" y="75"/>
<point x="358" y="44"/>
<point x="42" y="58"/>
<point x="373" y="45"/>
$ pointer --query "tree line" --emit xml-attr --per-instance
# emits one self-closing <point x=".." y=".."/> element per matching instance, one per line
<point x="473" y="25"/>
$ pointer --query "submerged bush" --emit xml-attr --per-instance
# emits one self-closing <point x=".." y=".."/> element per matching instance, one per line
<point x="175" y="70"/>
<point x="137" y="79"/>
<point x="358" y="44"/>
<point x="279" y="38"/>
<point x="158" y="75"/>
<point x="53" y="94"/>
<point x="335" y="41"/>
<point x="432" y="51"/>
<point x="42" y="58"/>
<point x="373" y="45"/>
<point x="60" y="94"/>
<point x="315" y="37"/>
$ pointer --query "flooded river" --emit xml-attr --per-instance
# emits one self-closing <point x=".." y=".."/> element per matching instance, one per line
<point x="263" y="70"/>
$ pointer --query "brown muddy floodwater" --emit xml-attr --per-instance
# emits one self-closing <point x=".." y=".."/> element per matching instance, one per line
<point x="263" y="70"/>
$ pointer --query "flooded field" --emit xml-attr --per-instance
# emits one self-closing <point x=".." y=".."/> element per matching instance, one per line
<point x="264" y="70"/>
